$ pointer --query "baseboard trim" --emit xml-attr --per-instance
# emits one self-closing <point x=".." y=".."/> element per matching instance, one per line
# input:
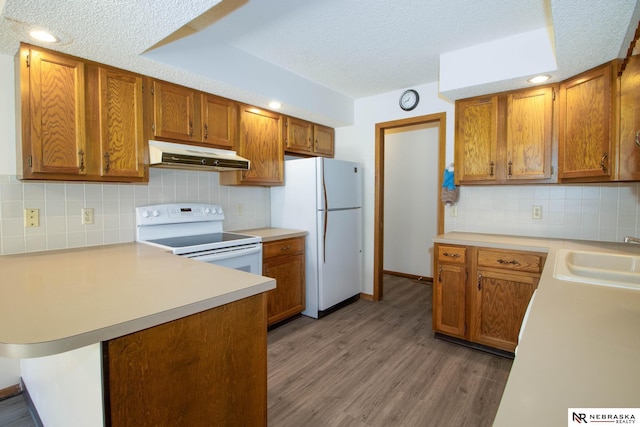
<point x="323" y="313"/>
<point x="10" y="391"/>
<point x="409" y="276"/>
<point x="475" y="346"/>
<point x="31" y="406"/>
<point x="367" y="297"/>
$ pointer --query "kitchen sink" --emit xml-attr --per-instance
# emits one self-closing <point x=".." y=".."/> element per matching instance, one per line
<point x="598" y="268"/>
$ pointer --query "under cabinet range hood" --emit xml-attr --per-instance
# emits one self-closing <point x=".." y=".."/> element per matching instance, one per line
<point x="193" y="157"/>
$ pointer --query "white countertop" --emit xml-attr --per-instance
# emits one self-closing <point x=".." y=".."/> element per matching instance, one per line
<point x="581" y="344"/>
<point x="57" y="301"/>
<point x="269" y="234"/>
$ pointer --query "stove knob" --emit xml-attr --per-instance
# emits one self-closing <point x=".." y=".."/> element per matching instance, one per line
<point x="145" y="214"/>
<point x="155" y="213"/>
<point x="220" y="211"/>
<point x="207" y="211"/>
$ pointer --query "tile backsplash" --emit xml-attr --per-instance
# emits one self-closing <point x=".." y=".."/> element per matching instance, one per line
<point x="603" y="212"/>
<point x="60" y="205"/>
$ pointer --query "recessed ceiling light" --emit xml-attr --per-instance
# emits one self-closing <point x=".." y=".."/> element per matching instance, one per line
<point x="275" y="105"/>
<point x="539" y="79"/>
<point x="43" y="36"/>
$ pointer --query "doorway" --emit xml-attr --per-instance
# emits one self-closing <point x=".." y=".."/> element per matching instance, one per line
<point x="383" y="129"/>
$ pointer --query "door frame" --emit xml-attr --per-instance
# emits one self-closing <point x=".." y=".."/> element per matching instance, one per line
<point x="378" y="234"/>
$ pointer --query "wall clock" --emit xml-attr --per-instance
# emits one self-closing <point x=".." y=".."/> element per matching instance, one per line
<point x="409" y="100"/>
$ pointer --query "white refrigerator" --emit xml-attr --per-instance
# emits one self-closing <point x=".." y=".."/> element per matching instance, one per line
<point x="324" y="197"/>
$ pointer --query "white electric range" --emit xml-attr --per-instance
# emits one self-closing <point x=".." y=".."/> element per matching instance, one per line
<point x="195" y="230"/>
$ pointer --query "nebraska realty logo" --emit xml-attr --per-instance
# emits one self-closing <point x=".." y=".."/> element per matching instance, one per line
<point x="580" y="416"/>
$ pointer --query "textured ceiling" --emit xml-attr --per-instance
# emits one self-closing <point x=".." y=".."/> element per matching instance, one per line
<point x="336" y="50"/>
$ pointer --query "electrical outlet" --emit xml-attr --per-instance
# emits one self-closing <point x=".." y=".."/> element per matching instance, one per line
<point x="239" y="209"/>
<point x="536" y="212"/>
<point x="87" y="216"/>
<point x="454" y="210"/>
<point x="32" y="218"/>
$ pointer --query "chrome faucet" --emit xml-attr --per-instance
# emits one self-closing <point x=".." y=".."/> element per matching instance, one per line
<point x="630" y="239"/>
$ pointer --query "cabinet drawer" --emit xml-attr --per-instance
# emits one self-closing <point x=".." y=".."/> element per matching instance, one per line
<point x="452" y="254"/>
<point x="283" y="247"/>
<point x="517" y="261"/>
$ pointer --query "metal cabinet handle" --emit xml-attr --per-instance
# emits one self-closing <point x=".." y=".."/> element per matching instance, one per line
<point x="451" y="255"/>
<point x="479" y="281"/>
<point x="602" y="165"/>
<point x="638" y="138"/>
<point x="81" y="156"/>
<point x="510" y="164"/>
<point x="206" y="131"/>
<point x="440" y="275"/>
<point x="285" y="248"/>
<point x="491" y="165"/>
<point x="512" y="262"/>
<point x="107" y="162"/>
<point x="190" y="128"/>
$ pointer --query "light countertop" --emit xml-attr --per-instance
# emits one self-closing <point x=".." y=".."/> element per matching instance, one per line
<point x="581" y="344"/>
<point x="57" y="301"/>
<point x="269" y="234"/>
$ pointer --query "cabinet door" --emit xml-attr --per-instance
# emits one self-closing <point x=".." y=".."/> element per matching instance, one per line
<point x="175" y="112"/>
<point x="476" y="139"/>
<point x="299" y="136"/>
<point x="288" y="298"/>
<point x="449" y="294"/>
<point x="261" y="142"/>
<point x="529" y="134"/>
<point x="584" y="141"/>
<point x="498" y="305"/>
<point x="219" y="121"/>
<point x="629" y="153"/>
<point x="56" y="122"/>
<point x="121" y="134"/>
<point x="324" y="144"/>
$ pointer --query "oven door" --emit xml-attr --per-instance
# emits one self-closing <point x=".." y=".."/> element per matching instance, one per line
<point x="246" y="257"/>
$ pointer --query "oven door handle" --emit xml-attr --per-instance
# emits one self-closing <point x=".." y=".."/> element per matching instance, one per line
<point x="220" y="256"/>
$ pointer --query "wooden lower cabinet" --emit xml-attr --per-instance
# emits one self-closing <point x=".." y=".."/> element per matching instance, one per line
<point x="449" y="291"/>
<point x="283" y="260"/>
<point x="207" y="369"/>
<point x="487" y="306"/>
<point x="498" y="307"/>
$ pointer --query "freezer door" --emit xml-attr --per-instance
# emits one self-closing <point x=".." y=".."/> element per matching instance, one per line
<point x="339" y="256"/>
<point x="342" y="182"/>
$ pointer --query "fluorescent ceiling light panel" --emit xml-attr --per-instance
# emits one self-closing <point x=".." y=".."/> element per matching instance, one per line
<point x="524" y="54"/>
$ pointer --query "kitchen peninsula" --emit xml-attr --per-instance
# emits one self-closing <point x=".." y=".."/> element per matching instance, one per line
<point x="130" y="333"/>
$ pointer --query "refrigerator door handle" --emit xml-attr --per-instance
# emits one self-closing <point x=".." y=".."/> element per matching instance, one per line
<point x="324" y="238"/>
<point x="326" y="219"/>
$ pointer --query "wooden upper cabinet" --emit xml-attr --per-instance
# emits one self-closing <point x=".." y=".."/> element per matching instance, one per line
<point x="299" y="136"/>
<point x="506" y="138"/>
<point x="261" y="142"/>
<point x="306" y="138"/>
<point x="175" y="115"/>
<point x="476" y="139"/>
<point x="585" y="131"/>
<point x="53" y="113"/>
<point x="219" y="121"/>
<point x="529" y="134"/>
<point x="629" y="152"/>
<point x="121" y="148"/>
<point x="324" y="140"/>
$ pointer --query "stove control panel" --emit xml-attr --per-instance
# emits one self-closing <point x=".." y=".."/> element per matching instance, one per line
<point x="177" y="213"/>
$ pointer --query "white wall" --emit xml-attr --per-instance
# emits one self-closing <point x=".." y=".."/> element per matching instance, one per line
<point x="411" y="193"/>
<point x="357" y="143"/>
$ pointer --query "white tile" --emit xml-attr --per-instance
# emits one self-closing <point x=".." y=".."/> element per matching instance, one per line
<point x="56" y="241"/>
<point x="13" y="245"/>
<point x="74" y="192"/>
<point x="33" y="191"/>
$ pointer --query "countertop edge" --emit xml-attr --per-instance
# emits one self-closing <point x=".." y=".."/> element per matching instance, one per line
<point x="40" y="349"/>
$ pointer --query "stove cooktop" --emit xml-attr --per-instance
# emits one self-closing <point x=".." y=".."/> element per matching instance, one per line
<point x="199" y="239"/>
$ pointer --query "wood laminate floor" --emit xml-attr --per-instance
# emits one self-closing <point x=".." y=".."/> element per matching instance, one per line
<point x="368" y="364"/>
<point x="378" y="364"/>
